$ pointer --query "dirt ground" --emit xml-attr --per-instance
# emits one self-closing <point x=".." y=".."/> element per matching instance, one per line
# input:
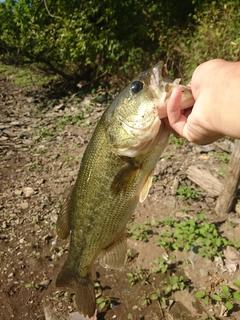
<point x="42" y="140"/>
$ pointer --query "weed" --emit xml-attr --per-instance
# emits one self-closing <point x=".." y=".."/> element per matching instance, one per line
<point x="59" y="294"/>
<point x="224" y="156"/>
<point x="187" y="192"/>
<point x="140" y="276"/>
<point x="227" y="296"/>
<point x="102" y="302"/>
<point x="67" y="160"/>
<point x="173" y="283"/>
<point x="139" y="232"/>
<point x="77" y="119"/>
<point x="162" y="265"/>
<point x="192" y="234"/>
<point x="38" y="255"/>
<point x="222" y="171"/>
<point x="178" y="142"/>
<point x="185" y="209"/>
<point x="45" y="133"/>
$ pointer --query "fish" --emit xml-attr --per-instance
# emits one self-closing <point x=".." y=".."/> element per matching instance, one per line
<point x="116" y="173"/>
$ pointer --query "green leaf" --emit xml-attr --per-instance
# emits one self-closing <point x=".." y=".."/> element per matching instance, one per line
<point x="236" y="296"/>
<point x="237" y="283"/>
<point x="199" y="294"/>
<point x="216" y="297"/>
<point x="206" y="299"/>
<point x="229" y="305"/>
<point x="153" y="296"/>
<point x="102" y="305"/>
<point x="225" y="291"/>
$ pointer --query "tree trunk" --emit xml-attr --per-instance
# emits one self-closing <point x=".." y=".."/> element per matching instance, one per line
<point x="230" y="182"/>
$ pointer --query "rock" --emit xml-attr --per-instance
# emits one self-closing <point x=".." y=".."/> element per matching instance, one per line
<point x="232" y="254"/>
<point x="24" y="205"/>
<point x="28" y="191"/>
<point x="44" y="283"/>
<point x="204" y="148"/>
<point x="4" y="225"/>
<point x="15" y="123"/>
<point x="225" y="145"/>
<point x="18" y="192"/>
<point x="9" y="133"/>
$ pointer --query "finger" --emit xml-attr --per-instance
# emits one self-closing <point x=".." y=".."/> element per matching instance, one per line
<point x="166" y="122"/>
<point x="176" y="119"/>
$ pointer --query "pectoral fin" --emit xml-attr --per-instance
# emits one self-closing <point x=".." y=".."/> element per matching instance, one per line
<point x="125" y="178"/>
<point x="146" y="186"/>
<point x="115" y="255"/>
<point x="63" y="222"/>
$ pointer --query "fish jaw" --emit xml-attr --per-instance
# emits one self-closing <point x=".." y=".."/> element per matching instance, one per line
<point x="132" y="122"/>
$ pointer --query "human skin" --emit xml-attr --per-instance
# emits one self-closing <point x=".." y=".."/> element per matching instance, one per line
<point x="215" y="87"/>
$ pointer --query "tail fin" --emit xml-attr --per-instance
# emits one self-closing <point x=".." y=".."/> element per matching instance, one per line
<point x="83" y="288"/>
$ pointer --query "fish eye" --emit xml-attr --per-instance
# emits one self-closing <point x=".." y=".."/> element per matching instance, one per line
<point x="136" y="86"/>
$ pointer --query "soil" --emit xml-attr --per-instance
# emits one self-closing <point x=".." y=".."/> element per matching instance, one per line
<point x="42" y="139"/>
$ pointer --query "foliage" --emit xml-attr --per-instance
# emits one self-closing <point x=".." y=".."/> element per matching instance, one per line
<point x="226" y="296"/>
<point x="139" y="232"/>
<point x="187" y="192"/>
<point x="214" y="34"/>
<point x="172" y="284"/>
<point x="140" y="275"/>
<point x="87" y="38"/>
<point x="81" y="36"/>
<point x="162" y="265"/>
<point x="193" y="234"/>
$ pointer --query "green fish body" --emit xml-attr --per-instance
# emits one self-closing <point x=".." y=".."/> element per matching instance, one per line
<point x="115" y="174"/>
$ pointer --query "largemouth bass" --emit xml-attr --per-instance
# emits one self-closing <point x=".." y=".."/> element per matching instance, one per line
<point x="115" y="174"/>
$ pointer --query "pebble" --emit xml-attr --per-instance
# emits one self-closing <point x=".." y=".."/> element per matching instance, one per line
<point x="28" y="191"/>
<point x="9" y="133"/>
<point x="18" y="192"/>
<point x="45" y="282"/>
<point x="24" y="205"/>
<point x="203" y="148"/>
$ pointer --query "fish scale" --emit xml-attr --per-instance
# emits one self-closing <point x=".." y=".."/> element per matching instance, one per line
<point x="115" y="173"/>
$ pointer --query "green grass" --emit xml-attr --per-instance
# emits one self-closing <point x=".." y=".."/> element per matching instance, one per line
<point x="24" y="76"/>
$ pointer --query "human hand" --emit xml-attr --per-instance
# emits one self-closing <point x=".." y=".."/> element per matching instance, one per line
<point x="216" y="111"/>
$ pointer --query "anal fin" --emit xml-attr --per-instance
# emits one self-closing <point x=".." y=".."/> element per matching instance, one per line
<point x="146" y="186"/>
<point x="115" y="254"/>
